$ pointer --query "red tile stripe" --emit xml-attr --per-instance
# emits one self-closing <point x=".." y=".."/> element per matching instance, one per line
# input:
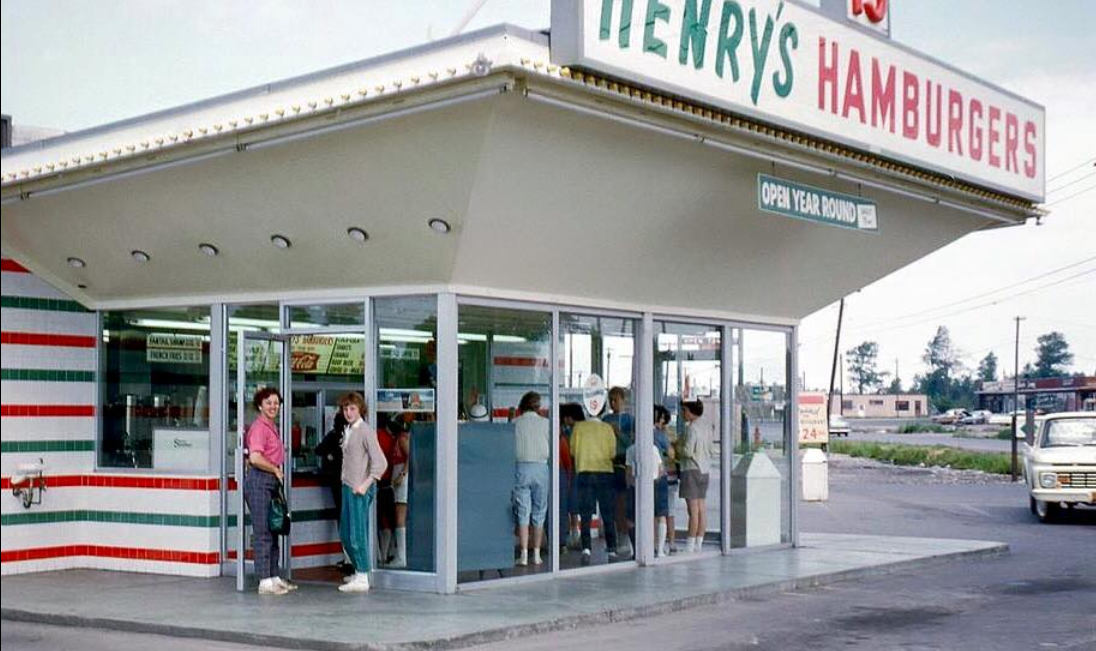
<point x="155" y="483"/>
<point x="125" y="481"/>
<point x="42" y="411"/>
<point x="298" y="482"/>
<point x="311" y="549"/>
<point x="43" y="339"/>
<point x="504" y="360"/>
<point x="103" y="551"/>
<point x="7" y="264"/>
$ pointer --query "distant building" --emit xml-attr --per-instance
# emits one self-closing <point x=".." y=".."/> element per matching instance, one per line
<point x="1048" y="394"/>
<point x="872" y="405"/>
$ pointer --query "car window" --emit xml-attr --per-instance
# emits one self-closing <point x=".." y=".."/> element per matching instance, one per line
<point x="1068" y="432"/>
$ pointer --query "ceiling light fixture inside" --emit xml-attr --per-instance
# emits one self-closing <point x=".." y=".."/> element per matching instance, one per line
<point x="439" y="225"/>
<point x="76" y="263"/>
<point x="280" y="241"/>
<point x="140" y="256"/>
<point x="357" y="234"/>
<point x="209" y="249"/>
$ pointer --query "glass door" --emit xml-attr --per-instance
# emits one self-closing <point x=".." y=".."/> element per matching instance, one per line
<point x="260" y="362"/>
<point x="324" y="365"/>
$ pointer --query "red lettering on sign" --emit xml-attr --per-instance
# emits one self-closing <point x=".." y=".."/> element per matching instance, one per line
<point x="931" y="134"/>
<point x="1029" y="149"/>
<point x="955" y="121"/>
<point x="976" y="141"/>
<point x="1012" y="142"/>
<point x="875" y="10"/>
<point x="854" y="88"/>
<point x="827" y="74"/>
<point x="994" y="136"/>
<point x="909" y="105"/>
<point x="882" y="96"/>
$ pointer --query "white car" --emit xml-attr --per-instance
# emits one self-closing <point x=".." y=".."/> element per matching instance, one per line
<point x="976" y="417"/>
<point x="1060" y="463"/>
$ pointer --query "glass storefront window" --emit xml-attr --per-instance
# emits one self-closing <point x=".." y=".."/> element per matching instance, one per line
<point x="404" y="411"/>
<point x="688" y="433"/>
<point x="504" y="453"/>
<point x="597" y="384"/>
<point x="760" y="473"/>
<point x="156" y="390"/>
<point x="327" y="314"/>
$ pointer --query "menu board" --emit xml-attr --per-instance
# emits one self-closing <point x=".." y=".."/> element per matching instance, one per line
<point x="311" y="355"/>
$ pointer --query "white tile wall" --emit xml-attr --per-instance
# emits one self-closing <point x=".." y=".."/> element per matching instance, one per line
<point x="48" y="321"/>
<point x="20" y="284"/>
<point x="48" y="393"/>
<point x="46" y="357"/>
<point x="53" y="428"/>
<point x="56" y="463"/>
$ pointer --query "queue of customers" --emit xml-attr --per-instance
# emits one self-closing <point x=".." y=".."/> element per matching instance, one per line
<point x="597" y="474"/>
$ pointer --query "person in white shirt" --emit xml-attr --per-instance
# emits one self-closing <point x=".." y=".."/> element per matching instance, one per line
<point x="532" y="476"/>
<point x="657" y="472"/>
<point x="696" y="460"/>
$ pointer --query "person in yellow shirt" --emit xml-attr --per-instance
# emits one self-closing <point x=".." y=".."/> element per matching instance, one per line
<point x="593" y="446"/>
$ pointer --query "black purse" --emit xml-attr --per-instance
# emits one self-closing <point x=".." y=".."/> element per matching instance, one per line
<point x="278" y="518"/>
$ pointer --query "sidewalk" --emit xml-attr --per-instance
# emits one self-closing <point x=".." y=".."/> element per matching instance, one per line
<point x="319" y="617"/>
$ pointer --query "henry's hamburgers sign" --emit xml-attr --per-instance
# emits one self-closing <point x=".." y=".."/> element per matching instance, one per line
<point x="785" y="63"/>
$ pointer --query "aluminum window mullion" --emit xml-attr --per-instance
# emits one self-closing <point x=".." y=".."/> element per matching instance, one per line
<point x="727" y="428"/>
<point x="644" y="440"/>
<point x="791" y="433"/>
<point x="559" y="527"/>
<point x="445" y="530"/>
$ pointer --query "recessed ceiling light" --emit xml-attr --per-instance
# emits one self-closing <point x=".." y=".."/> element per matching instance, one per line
<point x="280" y="241"/>
<point x="76" y="263"/>
<point x="208" y="249"/>
<point x="357" y="234"/>
<point x="81" y="286"/>
<point x="140" y="256"/>
<point x="439" y="225"/>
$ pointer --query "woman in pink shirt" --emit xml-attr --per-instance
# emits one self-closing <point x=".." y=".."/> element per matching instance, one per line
<point x="265" y="456"/>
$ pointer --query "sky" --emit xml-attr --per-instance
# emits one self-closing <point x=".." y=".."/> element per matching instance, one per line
<point x="74" y="64"/>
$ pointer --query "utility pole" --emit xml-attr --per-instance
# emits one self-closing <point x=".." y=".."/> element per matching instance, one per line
<point x="1016" y="399"/>
<point x="833" y="369"/>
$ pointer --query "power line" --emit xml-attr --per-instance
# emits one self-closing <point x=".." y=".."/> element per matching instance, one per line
<point x="980" y="295"/>
<point x="1073" y="182"/>
<point x="899" y="326"/>
<point x="994" y="302"/>
<point x="1072" y="169"/>
<point x="1075" y="194"/>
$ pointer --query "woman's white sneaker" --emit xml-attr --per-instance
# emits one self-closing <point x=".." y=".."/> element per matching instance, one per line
<point x="360" y="583"/>
<point x="271" y="587"/>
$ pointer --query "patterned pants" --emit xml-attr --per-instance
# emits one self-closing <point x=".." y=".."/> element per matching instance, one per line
<point x="258" y="487"/>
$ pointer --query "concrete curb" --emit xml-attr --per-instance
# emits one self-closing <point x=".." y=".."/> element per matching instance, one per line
<point x="507" y="632"/>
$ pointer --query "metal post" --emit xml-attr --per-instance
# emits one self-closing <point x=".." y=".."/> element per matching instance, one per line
<point x="445" y="534"/>
<point x="833" y="368"/>
<point x="644" y="440"/>
<point x="1016" y="399"/>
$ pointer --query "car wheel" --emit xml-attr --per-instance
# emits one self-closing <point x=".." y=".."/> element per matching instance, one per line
<point x="1045" y="511"/>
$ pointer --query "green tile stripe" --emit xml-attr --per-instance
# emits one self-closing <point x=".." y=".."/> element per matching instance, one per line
<point x="121" y="517"/>
<point x="158" y="519"/>
<point x="45" y="375"/>
<point x="312" y="515"/>
<point x="43" y="304"/>
<point x="47" y="446"/>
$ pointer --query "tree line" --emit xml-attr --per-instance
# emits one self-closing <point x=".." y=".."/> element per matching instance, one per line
<point x="947" y="381"/>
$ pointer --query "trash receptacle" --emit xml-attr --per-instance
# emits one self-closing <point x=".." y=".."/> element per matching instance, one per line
<point x="816" y="478"/>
